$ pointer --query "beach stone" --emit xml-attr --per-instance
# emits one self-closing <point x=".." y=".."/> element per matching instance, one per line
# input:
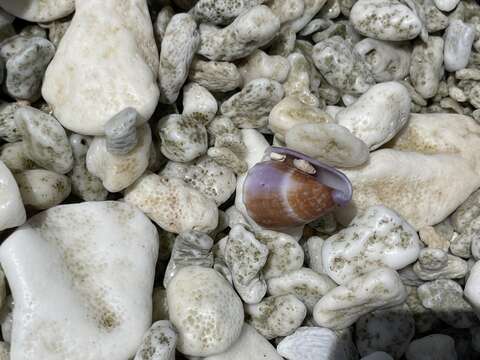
<point x="445" y="298"/>
<point x="378" y="115"/>
<point x="12" y="211"/>
<point x="459" y="38"/>
<point x="316" y="343"/>
<point x="107" y="61"/>
<point x="218" y="76"/>
<point x="45" y="140"/>
<point x="14" y="157"/>
<point x="249" y="345"/>
<point x="39" y="10"/>
<point x="379" y="237"/>
<point x="42" y="189"/>
<point x="172" y="204"/>
<point x="98" y="258"/>
<point x="158" y="343"/>
<point x="276" y="316"/>
<point x="205" y="310"/>
<point x="332" y="144"/>
<point x="389" y="20"/>
<point x="345" y="304"/>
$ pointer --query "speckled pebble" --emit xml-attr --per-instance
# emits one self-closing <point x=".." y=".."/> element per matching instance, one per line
<point x="251" y="106"/>
<point x="305" y="284"/>
<point x="276" y="316"/>
<point x="44" y="139"/>
<point x="158" y="343"/>
<point x="343" y="306"/>
<point x="205" y="310"/>
<point x="42" y="189"/>
<point x="181" y="138"/>
<point x="172" y="204"/>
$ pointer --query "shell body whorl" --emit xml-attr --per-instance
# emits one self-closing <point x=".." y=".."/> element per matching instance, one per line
<point x="278" y="194"/>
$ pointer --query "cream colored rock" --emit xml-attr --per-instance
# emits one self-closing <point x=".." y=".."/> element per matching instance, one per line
<point x="332" y="144"/>
<point x="172" y="204"/>
<point x="287" y="10"/>
<point x="117" y="172"/>
<point x="198" y="103"/>
<point x="158" y="343"/>
<point x="285" y="254"/>
<point x="342" y="306"/>
<point x="106" y="61"/>
<point x="98" y="259"/>
<point x="305" y="284"/>
<point x="12" y="211"/>
<point x="412" y="184"/>
<point x="39" y="10"/>
<point x="249" y="31"/>
<point x="245" y="256"/>
<point x="290" y="112"/>
<point x="379" y="237"/>
<point x="276" y="316"/>
<point x="215" y="181"/>
<point x="42" y="189"/>
<point x="84" y="184"/>
<point x="299" y="81"/>
<point x="205" y="310"/>
<point x="377" y="115"/>
<point x="250" y="345"/>
<point x="44" y="140"/>
<point x="260" y="65"/>
<point x="441" y="138"/>
<point x="385" y="20"/>
<point x="180" y="43"/>
<point x="14" y="157"/>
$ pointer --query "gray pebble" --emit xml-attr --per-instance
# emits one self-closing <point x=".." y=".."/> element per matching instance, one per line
<point x="121" y="132"/>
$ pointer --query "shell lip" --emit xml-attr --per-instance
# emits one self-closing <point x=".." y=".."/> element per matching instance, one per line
<point x="325" y="174"/>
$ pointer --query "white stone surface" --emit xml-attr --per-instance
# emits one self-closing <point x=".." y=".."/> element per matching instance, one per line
<point x="377" y="115"/>
<point x="106" y="61"/>
<point x="342" y="306"/>
<point x="379" y="237"/>
<point x="39" y="10"/>
<point x="205" y="310"/>
<point x="81" y="276"/>
<point x="12" y="211"/>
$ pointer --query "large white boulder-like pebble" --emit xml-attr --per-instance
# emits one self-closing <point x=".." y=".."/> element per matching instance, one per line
<point x="343" y="306"/>
<point x="98" y="259"/>
<point x="377" y="115"/>
<point x="379" y="237"/>
<point x="39" y="10"/>
<point x="205" y="310"/>
<point x="172" y="204"/>
<point x="106" y="61"/>
<point x="412" y="184"/>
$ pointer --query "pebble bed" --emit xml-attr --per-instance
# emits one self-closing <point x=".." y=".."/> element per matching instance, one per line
<point x="131" y="130"/>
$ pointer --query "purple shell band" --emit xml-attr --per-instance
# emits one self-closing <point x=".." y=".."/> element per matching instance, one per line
<point x="327" y="175"/>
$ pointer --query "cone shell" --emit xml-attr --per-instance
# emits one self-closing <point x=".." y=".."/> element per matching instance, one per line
<point x="277" y="194"/>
